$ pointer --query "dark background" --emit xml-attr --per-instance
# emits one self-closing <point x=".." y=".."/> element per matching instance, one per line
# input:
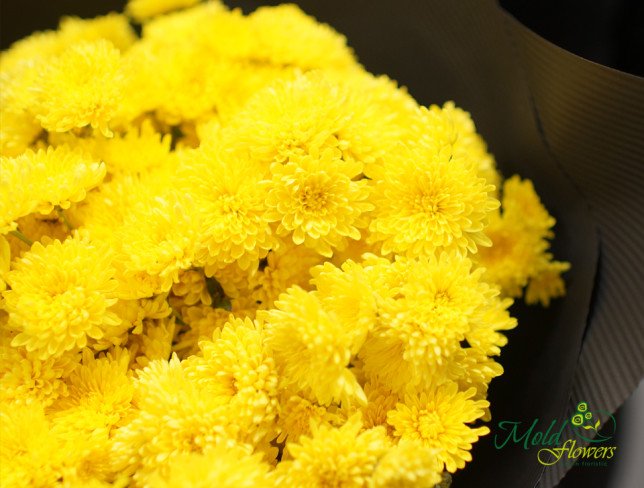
<point x="609" y="32"/>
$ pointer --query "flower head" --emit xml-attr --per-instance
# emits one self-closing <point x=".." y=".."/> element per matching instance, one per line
<point x="439" y="304"/>
<point x="315" y="201"/>
<point x="305" y="340"/>
<point x="230" y="208"/>
<point x="235" y="368"/>
<point x="426" y="201"/>
<point x="344" y="456"/>
<point x="61" y="295"/>
<point x="221" y="466"/>
<point x="40" y="180"/>
<point x="439" y="419"/>
<point x="100" y="392"/>
<point x="408" y="465"/>
<point x="80" y="87"/>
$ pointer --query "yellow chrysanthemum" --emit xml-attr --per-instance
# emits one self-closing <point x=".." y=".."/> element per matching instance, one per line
<point x="380" y="400"/>
<point x="5" y="262"/>
<point x="344" y="456"/>
<point x="229" y="206"/>
<point x="143" y="9"/>
<point x="290" y="119"/>
<point x="408" y="465"/>
<point x="100" y="393"/>
<point x="60" y="296"/>
<point x="520" y="240"/>
<point x="348" y="293"/>
<point x="25" y="379"/>
<point x="305" y="340"/>
<point x="139" y="149"/>
<point x="298" y="413"/>
<point x="172" y="415"/>
<point x="80" y="87"/>
<point x="157" y="238"/>
<point x="223" y="467"/>
<point x="235" y="368"/>
<point x="438" y="419"/>
<point x="201" y="322"/>
<point x="112" y="27"/>
<point x="318" y="46"/>
<point x="32" y="453"/>
<point x="427" y="201"/>
<point x="40" y="180"/>
<point x="192" y="288"/>
<point x="451" y="129"/>
<point x="440" y="304"/>
<point x="154" y="343"/>
<point x="29" y="454"/>
<point x="315" y="200"/>
<point x="547" y="283"/>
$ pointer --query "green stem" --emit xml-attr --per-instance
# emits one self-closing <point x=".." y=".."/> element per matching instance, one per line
<point x="63" y="217"/>
<point x="19" y="235"/>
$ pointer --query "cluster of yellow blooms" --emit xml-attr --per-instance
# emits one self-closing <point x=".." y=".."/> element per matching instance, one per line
<point x="230" y="256"/>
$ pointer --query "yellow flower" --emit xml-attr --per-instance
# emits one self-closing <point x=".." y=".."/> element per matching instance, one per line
<point x="229" y="206"/>
<point x="38" y="227"/>
<point x="348" y="293"/>
<point x="427" y="201"/>
<point x="520" y="240"/>
<point x="139" y="149"/>
<point x="172" y="415"/>
<point x="99" y="397"/>
<point x="192" y="287"/>
<point x="29" y="454"/>
<point x="80" y="87"/>
<point x="438" y="419"/>
<point x="298" y="413"/>
<point x="235" y="368"/>
<point x="32" y="453"/>
<point x="547" y="283"/>
<point x="380" y="400"/>
<point x="40" y="180"/>
<point x="153" y="343"/>
<point x="25" y="379"/>
<point x="316" y="201"/>
<point x="440" y="303"/>
<point x="112" y="27"/>
<point x="289" y="119"/>
<point x="451" y="129"/>
<point x="221" y="466"/>
<point x="157" y="238"/>
<point x="306" y="340"/>
<point x="318" y="46"/>
<point x="408" y="465"/>
<point x="143" y="9"/>
<point x="60" y="296"/>
<point x="344" y="456"/>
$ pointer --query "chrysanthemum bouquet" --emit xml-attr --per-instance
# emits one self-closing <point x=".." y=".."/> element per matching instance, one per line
<point x="230" y="256"/>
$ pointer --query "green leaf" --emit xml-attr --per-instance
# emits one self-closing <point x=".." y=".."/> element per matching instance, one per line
<point x="597" y="424"/>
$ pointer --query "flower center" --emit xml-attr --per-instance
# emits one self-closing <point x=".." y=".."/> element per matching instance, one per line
<point x="312" y="198"/>
<point x="429" y="424"/>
